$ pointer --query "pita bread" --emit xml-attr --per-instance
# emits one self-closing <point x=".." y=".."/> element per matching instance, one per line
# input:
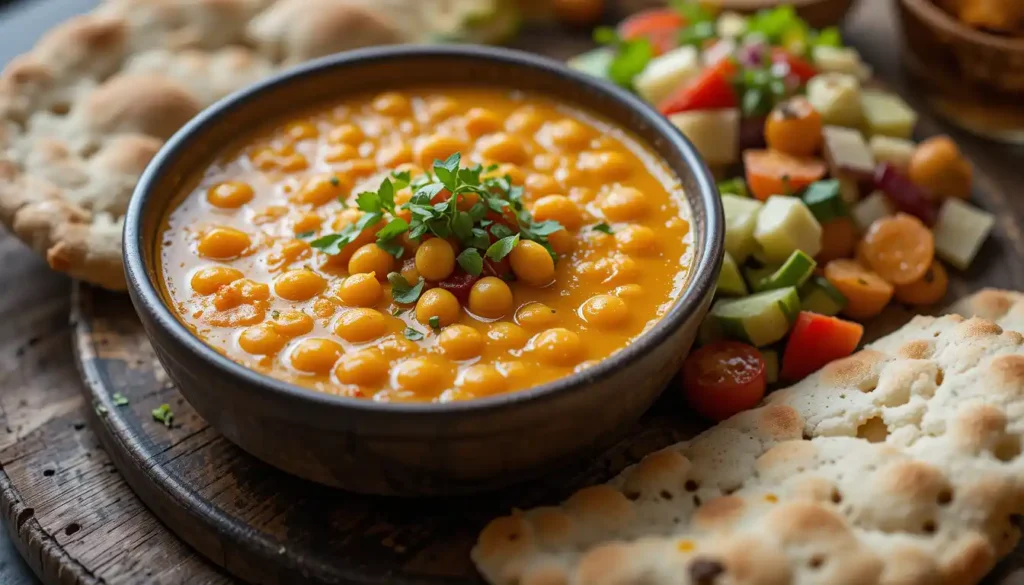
<point x="899" y="465"/>
<point x="83" y="113"/>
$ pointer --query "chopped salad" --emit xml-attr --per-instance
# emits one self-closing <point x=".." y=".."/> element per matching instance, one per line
<point x="832" y="210"/>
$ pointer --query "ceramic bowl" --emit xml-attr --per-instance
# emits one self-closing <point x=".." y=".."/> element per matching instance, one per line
<point x="432" y="448"/>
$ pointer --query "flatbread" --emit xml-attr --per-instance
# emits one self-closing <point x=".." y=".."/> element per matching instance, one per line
<point x="83" y="113"/>
<point x="899" y="465"/>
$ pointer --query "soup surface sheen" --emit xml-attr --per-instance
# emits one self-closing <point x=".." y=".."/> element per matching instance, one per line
<point x="239" y="270"/>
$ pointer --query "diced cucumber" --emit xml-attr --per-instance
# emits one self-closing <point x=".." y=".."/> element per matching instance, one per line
<point x="870" y="209"/>
<point x="740" y="218"/>
<point x="771" y="365"/>
<point x="818" y="295"/>
<point x="895" y="151"/>
<point x="847" y="152"/>
<point x="734" y="186"/>
<point x="757" y="273"/>
<point x="759" y="319"/>
<point x="841" y="60"/>
<point x="714" y="133"/>
<point x="836" y="96"/>
<point x="794" y="272"/>
<point x="786" y="225"/>
<point x="730" y="281"/>
<point x="594" y="62"/>
<point x="887" y="114"/>
<point x="825" y="200"/>
<point x="960" y="231"/>
<point x="665" y="73"/>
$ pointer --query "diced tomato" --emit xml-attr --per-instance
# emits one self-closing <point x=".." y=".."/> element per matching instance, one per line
<point x="798" y="67"/>
<point x="659" y="25"/>
<point x="815" y="341"/>
<point x="724" y="378"/>
<point x="442" y="195"/>
<point x="500" y="268"/>
<point x="459" y="284"/>
<point x="711" y="90"/>
<point x="770" y="172"/>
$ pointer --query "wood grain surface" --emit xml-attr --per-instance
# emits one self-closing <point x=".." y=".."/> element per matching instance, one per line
<point x="76" y="520"/>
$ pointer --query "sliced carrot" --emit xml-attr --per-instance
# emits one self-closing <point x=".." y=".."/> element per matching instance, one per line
<point x="866" y="293"/>
<point x="838" y="239"/>
<point x="770" y="172"/>
<point x="928" y="290"/>
<point x="859" y="256"/>
<point x="816" y="340"/>
<point x="899" y="248"/>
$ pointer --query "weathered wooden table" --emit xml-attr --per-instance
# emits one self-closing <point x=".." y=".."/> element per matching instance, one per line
<point x="68" y="509"/>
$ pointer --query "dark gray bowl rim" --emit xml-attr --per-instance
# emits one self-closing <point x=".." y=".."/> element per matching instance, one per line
<point x="701" y="284"/>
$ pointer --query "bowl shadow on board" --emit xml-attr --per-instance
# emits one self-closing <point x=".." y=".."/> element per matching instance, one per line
<point x="419" y="449"/>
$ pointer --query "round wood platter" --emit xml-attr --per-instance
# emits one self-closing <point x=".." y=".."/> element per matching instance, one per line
<point x="77" y="520"/>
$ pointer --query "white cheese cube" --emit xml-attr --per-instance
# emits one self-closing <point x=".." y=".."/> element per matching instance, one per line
<point x="847" y="152"/>
<point x="667" y="72"/>
<point x="841" y="60"/>
<point x="895" y="151"/>
<point x="960" y="231"/>
<point x="870" y="209"/>
<point x="740" y="219"/>
<point x="836" y="96"/>
<point x="715" y="133"/>
<point x="887" y="114"/>
<point x="785" y="225"/>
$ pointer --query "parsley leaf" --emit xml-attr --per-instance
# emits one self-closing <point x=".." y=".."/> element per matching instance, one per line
<point x="369" y="202"/>
<point x="435" y="323"/>
<point x="500" y="230"/>
<point x="393" y="229"/>
<point x="164" y="414"/>
<point x="502" y="247"/>
<point x="331" y="244"/>
<point x="631" y="56"/>
<point x="448" y="171"/>
<point x="412" y="334"/>
<point x="392" y="247"/>
<point x="478" y="239"/>
<point x="603" y="228"/>
<point x="305" y="235"/>
<point x="470" y="261"/>
<point x="401" y="291"/>
<point x="119" y="399"/>
<point x="402" y="179"/>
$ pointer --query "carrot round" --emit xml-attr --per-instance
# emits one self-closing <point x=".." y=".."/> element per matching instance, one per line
<point x="770" y="172"/>
<point x="838" y="239"/>
<point x="866" y="292"/>
<point x="899" y="248"/>
<point x="928" y="290"/>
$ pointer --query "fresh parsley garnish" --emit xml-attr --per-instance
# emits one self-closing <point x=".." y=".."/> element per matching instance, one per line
<point x="471" y="261"/>
<point x="502" y="247"/>
<point x="397" y="311"/>
<point x="403" y="292"/>
<point x="412" y="334"/>
<point x="630" y="58"/>
<point x="335" y="181"/>
<point x="734" y="186"/>
<point x="164" y="414"/>
<point x="435" y="323"/>
<point x="119" y="399"/>
<point x="275" y="314"/>
<point x="603" y="228"/>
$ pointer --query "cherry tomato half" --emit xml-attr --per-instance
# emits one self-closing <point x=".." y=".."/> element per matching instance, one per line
<point x="659" y="25"/>
<point x="724" y="378"/>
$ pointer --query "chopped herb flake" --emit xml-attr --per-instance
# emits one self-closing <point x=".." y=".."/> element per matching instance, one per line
<point x="305" y="235"/>
<point x="401" y="291"/>
<point x="397" y="311"/>
<point x="603" y="228"/>
<point x="164" y="414"/>
<point x="275" y="314"/>
<point x="412" y="334"/>
<point x="435" y="323"/>
<point x="334" y="181"/>
<point x="119" y="399"/>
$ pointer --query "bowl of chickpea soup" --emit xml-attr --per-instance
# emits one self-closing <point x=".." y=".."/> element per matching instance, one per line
<point x="424" y="270"/>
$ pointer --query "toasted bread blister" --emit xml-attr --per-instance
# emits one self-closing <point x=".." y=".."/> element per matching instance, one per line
<point x="899" y="464"/>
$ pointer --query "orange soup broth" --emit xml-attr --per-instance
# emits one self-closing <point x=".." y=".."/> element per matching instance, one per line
<point x="278" y="160"/>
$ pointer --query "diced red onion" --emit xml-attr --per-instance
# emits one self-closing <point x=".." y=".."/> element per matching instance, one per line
<point x="752" y="133"/>
<point x="905" y="195"/>
<point x="459" y="284"/>
<point x="752" y="54"/>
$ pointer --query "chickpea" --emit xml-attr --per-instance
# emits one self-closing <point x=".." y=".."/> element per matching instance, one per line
<point x="531" y="263"/>
<point x="621" y="270"/>
<point x="301" y="130"/>
<point x="605" y="311"/>
<point x="291" y="323"/>
<point x="207" y="281"/>
<point x="558" y="347"/>
<point x="579" y="12"/>
<point x="289" y="252"/>
<point x="568" y="134"/>
<point x="307" y="222"/>
<point x="490" y="298"/>
<point x="538" y="185"/>
<point x="239" y="292"/>
<point x="609" y="166"/>
<point x="502" y="148"/>
<point x="361" y="325"/>
<point x="481" y="380"/>
<point x="636" y="239"/>
<point x="223" y="243"/>
<point x="441" y="108"/>
<point x="629" y="291"/>
<point x="261" y="339"/>
<point x="536" y="316"/>
<point x="394" y="154"/>
<point x="322" y="189"/>
<point x="460" y="342"/>
<point x="480" y="121"/>
<point x="422" y="375"/>
<point x="435" y="259"/>
<point x="625" y="204"/>
<point x="361" y="167"/>
<point x="507" y="336"/>
<point x="299" y="285"/>
<point x="562" y="242"/>
<point x="392" y="103"/>
<point x="230" y="194"/>
<point x="559" y="208"/>
<point x="524" y="120"/>
<point x="437" y="302"/>
<point x="371" y="258"/>
<point x="409" y="272"/>
<point x="315" y="355"/>
<point x="360" y="290"/>
<point x="339" y="153"/>
<point x="346" y="134"/>
<point x="938" y="166"/>
<point x="323" y="308"/>
<point x="362" y="368"/>
<point x="437" y="147"/>
<point x="514" y="173"/>
<point x="396" y="346"/>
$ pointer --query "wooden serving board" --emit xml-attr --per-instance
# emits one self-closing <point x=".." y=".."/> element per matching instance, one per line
<point x="77" y="520"/>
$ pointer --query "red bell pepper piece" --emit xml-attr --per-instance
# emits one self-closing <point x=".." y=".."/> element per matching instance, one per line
<point x="711" y="90"/>
<point x="815" y="341"/>
<point x="659" y="25"/>
<point x="798" y="67"/>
